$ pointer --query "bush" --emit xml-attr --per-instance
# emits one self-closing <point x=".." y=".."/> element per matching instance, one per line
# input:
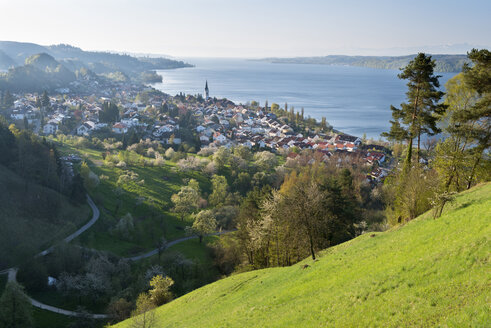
<point x="207" y="151"/>
<point x="33" y="275"/>
<point x="191" y="163"/>
<point x="125" y="225"/>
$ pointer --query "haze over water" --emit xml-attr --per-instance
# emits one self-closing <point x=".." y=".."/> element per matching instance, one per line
<point x="354" y="100"/>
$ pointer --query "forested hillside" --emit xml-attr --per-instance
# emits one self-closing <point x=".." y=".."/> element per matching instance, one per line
<point x="32" y="67"/>
<point x="444" y="63"/>
<point x="39" y="204"/>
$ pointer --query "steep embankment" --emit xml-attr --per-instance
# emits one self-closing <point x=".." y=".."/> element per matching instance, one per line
<point x="427" y="273"/>
<point x="32" y="217"/>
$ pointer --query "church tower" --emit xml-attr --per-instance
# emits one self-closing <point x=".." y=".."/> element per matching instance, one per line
<point x="207" y="91"/>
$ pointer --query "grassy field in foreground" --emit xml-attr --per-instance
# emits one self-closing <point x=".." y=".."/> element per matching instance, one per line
<point x="427" y="273"/>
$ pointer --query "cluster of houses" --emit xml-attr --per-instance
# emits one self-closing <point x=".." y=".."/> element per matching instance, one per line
<point x="242" y="126"/>
<point x="218" y="123"/>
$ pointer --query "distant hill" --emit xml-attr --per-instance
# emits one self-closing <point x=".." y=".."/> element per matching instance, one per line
<point x="5" y="61"/>
<point x="19" y="51"/>
<point x="40" y="72"/>
<point x="427" y="273"/>
<point x="444" y="63"/>
<point x="56" y="61"/>
<point x="42" y="61"/>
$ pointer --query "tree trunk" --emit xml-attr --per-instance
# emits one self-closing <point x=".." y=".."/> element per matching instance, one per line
<point x="311" y="246"/>
<point x="409" y="153"/>
<point x="419" y="141"/>
<point x="471" y="177"/>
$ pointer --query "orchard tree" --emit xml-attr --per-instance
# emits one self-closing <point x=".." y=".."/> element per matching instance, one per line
<point x="220" y="190"/>
<point x="186" y="201"/>
<point x="204" y="223"/>
<point x="221" y="157"/>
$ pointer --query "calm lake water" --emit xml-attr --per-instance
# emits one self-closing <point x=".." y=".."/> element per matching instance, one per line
<point x="355" y="100"/>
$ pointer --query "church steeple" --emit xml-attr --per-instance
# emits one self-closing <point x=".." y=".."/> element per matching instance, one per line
<point x="207" y="91"/>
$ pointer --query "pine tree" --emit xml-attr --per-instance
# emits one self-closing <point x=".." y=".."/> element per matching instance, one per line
<point x="478" y="78"/>
<point x="323" y="122"/>
<point x="8" y="100"/>
<point x="421" y="112"/>
<point x="45" y="99"/>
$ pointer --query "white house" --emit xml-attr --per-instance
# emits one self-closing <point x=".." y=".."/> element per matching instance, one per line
<point x="204" y="139"/>
<point x="85" y="128"/>
<point x="120" y="128"/>
<point x="50" y="128"/>
<point x="217" y="136"/>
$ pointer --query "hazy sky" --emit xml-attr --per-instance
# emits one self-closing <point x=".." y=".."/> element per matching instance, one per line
<point x="251" y="28"/>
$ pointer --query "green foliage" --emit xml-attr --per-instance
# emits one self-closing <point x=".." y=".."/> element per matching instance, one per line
<point x="150" y="77"/>
<point x="143" y="317"/>
<point x="159" y="292"/>
<point x="109" y="113"/>
<point x="311" y="211"/>
<point x="15" y="308"/>
<point x="220" y="191"/>
<point x="462" y="159"/>
<point x="91" y="180"/>
<point x="186" y="200"/>
<point x="28" y="205"/>
<point x="221" y="157"/>
<point x="409" y="194"/>
<point x="421" y="112"/>
<point x="444" y="63"/>
<point x="40" y="72"/>
<point x="119" y="309"/>
<point x="426" y="273"/>
<point x="204" y="223"/>
<point x="7" y="143"/>
<point x="125" y="226"/>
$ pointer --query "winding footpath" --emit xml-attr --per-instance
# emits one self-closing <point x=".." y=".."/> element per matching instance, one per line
<point x="172" y="243"/>
<point x="12" y="272"/>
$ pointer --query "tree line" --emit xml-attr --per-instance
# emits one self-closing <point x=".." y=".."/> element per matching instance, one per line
<point x="460" y="158"/>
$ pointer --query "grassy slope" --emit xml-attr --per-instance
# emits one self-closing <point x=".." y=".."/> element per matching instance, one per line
<point x="25" y="231"/>
<point x="3" y="283"/>
<point x="152" y="218"/>
<point x="426" y="273"/>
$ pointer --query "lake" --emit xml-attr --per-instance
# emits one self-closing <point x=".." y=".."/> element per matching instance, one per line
<point x="355" y="100"/>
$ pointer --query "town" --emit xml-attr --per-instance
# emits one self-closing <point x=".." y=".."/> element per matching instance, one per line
<point x="171" y="120"/>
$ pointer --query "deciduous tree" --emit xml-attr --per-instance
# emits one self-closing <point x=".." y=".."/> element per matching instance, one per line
<point x="204" y="223"/>
<point x="15" y="308"/>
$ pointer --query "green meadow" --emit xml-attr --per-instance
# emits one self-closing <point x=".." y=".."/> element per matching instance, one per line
<point x="427" y="273"/>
